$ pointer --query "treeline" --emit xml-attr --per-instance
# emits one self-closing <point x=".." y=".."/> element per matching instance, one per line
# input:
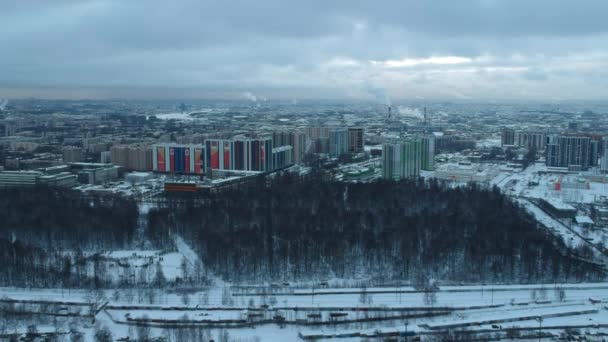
<point x="66" y="219"/>
<point x="291" y="228"/>
<point x="25" y="265"/>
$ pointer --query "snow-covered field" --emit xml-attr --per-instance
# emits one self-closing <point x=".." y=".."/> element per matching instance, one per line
<point x="302" y="311"/>
<point x="340" y="311"/>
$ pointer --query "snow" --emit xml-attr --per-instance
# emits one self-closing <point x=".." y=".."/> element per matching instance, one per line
<point x="187" y="116"/>
<point x="192" y="257"/>
<point x="491" y="303"/>
<point x="552" y="224"/>
<point x="583" y="219"/>
<point x="576" y="192"/>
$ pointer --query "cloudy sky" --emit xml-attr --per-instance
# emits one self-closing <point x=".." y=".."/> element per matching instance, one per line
<point x="441" y="49"/>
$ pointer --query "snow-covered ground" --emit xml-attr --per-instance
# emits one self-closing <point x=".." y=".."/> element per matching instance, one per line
<point x="538" y="182"/>
<point x="478" y="306"/>
<point x="181" y="116"/>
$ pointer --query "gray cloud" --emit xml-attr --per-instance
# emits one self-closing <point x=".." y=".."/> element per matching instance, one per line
<point x="480" y="49"/>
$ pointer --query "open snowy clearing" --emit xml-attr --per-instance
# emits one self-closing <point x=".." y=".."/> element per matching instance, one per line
<point x="340" y="312"/>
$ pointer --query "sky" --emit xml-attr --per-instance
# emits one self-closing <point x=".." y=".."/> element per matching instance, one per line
<point x="383" y="51"/>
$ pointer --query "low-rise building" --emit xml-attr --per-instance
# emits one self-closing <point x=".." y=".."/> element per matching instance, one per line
<point x="95" y="173"/>
<point x="32" y="178"/>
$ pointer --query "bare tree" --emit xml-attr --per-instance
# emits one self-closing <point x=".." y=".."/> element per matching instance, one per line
<point x="430" y="297"/>
<point x="159" y="278"/>
<point x="560" y="294"/>
<point x="143" y="330"/>
<point x="363" y="296"/>
<point x="542" y="293"/>
<point x="185" y="298"/>
<point x="227" y="296"/>
<point x="103" y="334"/>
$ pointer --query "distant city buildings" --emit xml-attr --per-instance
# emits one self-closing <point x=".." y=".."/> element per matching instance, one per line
<point x="428" y="152"/>
<point x="335" y="141"/>
<point x="526" y="139"/>
<point x="319" y="138"/>
<point x="239" y="153"/>
<point x="219" y="142"/>
<point x="62" y="175"/>
<point x="465" y="172"/>
<point x="295" y="139"/>
<point x="402" y="159"/>
<point x="94" y="173"/>
<point x="134" y="157"/>
<point x="604" y="159"/>
<point x="175" y="158"/>
<point x="355" y="139"/>
<point x="574" y="152"/>
<point x="105" y="157"/>
<point x="32" y="178"/>
<point x="531" y="140"/>
<point x="507" y="137"/>
<point x="282" y="157"/>
<point x="453" y="143"/>
<point x="72" y="154"/>
<point x="338" y="142"/>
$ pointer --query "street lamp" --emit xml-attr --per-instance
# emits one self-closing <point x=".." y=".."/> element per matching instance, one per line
<point x="405" y="333"/>
<point x="540" y="327"/>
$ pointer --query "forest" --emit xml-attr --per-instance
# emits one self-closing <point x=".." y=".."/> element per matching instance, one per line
<point x="38" y="224"/>
<point x="293" y="228"/>
<point x="66" y="219"/>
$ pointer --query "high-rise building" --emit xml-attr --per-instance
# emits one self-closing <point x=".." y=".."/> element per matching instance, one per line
<point x="239" y="153"/>
<point x="282" y="156"/>
<point x="338" y="142"/>
<point x="315" y="132"/>
<point x="132" y="157"/>
<point x="72" y="154"/>
<point x="402" y="159"/>
<point x="355" y="140"/>
<point x="94" y="145"/>
<point x="119" y="155"/>
<point x="507" y="137"/>
<point x="571" y="151"/>
<point x="140" y="158"/>
<point x="319" y="137"/>
<point x="180" y="159"/>
<point x="604" y="160"/>
<point x="428" y="152"/>
<point x="529" y="140"/>
<point x="105" y="157"/>
<point x="295" y="139"/>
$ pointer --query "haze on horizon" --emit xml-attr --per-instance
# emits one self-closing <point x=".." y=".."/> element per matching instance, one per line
<point x="454" y="50"/>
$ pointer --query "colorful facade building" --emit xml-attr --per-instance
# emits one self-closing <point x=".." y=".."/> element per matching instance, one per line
<point x="239" y="153"/>
<point x="181" y="159"/>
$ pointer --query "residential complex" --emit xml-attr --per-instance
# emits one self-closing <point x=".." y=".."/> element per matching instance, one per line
<point x="575" y="152"/>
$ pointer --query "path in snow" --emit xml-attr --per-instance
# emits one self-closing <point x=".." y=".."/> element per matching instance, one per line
<point x="193" y="259"/>
<point x="139" y="239"/>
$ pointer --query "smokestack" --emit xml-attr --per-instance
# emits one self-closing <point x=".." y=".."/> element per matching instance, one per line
<point x="389" y="112"/>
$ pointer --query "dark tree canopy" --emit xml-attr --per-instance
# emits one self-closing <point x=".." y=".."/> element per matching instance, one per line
<point x="293" y="228"/>
<point x="40" y="225"/>
<point x="66" y="218"/>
